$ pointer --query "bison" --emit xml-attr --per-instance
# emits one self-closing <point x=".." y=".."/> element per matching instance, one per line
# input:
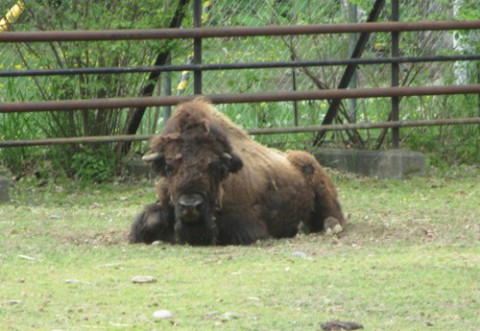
<point x="220" y="187"/>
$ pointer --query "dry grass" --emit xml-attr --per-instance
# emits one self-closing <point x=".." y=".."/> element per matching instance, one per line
<point x="409" y="260"/>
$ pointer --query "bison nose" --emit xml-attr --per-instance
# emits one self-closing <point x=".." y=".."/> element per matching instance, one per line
<point x="191" y="201"/>
<point x="190" y="206"/>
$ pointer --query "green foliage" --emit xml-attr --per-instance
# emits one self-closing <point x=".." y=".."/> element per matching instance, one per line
<point x="445" y="145"/>
<point x="78" y="15"/>
<point x="93" y="165"/>
<point x="277" y="115"/>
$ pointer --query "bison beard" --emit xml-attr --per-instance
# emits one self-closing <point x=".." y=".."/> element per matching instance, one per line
<point x="218" y="186"/>
<point x="194" y="222"/>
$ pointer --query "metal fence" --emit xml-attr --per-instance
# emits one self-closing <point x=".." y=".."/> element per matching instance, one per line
<point x="299" y="62"/>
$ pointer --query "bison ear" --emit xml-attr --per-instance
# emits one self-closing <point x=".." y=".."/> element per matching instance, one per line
<point x="233" y="161"/>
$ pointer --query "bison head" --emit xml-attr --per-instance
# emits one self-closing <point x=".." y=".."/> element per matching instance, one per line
<point x="194" y="157"/>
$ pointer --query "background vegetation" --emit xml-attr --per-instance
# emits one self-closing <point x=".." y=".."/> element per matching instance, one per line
<point x="445" y="145"/>
<point x="409" y="259"/>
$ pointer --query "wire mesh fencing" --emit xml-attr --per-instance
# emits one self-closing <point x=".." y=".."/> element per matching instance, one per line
<point x="326" y="47"/>
<point x="235" y="50"/>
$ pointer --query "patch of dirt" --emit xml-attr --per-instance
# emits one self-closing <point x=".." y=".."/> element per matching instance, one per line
<point x="340" y="325"/>
<point x="379" y="230"/>
<point x="109" y="238"/>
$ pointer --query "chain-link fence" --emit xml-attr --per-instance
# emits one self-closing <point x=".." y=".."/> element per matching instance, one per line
<point x="122" y="14"/>
<point x="325" y="47"/>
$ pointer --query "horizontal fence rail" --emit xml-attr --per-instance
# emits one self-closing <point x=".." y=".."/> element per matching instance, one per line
<point x="234" y="66"/>
<point x="229" y="32"/>
<point x="332" y="127"/>
<point x="72" y="105"/>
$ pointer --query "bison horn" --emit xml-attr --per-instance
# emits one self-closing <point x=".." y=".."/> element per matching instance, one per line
<point x="152" y="157"/>
<point x="226" y="156"/>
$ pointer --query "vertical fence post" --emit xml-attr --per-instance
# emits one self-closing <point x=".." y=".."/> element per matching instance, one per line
<point x="167" y="89"/>
<point x="294" y="84"/>
<point x="166" y="80"/>
<point x="395" y="75"/>
<point x="351" y="46"/>
<point x="197" y="47"/>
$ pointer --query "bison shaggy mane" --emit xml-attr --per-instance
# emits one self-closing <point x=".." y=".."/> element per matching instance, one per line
<point x="218" y="186"/>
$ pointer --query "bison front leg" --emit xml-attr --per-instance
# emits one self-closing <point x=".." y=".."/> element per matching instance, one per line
<point x="153" y="224"/>
<point x="236" y="227"/>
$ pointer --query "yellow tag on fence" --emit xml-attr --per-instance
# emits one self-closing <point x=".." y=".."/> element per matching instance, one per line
<point x="12" y="15"/>
<point x="182" y="85"/>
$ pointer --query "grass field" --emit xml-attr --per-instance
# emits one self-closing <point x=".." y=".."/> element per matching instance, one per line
<point x="409" y="260"/>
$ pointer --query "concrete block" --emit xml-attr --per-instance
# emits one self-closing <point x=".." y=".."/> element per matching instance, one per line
<point x="4" y="189"/>
<point x="396" y="164"/>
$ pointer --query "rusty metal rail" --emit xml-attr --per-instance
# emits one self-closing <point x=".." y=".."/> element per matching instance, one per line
<point x="235" y="66"/>
<point x="229" y="32"/>
<point x="332" y="127"/>
<point x="367" y="126"/>
<point x="71" y="105"/>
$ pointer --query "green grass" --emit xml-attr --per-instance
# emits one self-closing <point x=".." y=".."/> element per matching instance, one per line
<point x="409" y="260"/>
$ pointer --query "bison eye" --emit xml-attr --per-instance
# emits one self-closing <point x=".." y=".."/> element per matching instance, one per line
<point x="218" y="169"/>
<point x="169" y="169"/>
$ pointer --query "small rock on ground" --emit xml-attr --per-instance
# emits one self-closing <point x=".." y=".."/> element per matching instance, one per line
<point x="299" y="254"/>
<point x="340" y="325"/>
<point x="162" y="314"/>
<point x="72" y="281"/>
<point x="143" y="279"/>
<point x="14" y="302"/>
<point x="211" y="314"/>
<point x="229" y="315"/>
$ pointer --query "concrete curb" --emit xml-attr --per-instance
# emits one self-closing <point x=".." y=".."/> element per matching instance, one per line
<point x="4" y="189"/>
<point x="395" y="164"/>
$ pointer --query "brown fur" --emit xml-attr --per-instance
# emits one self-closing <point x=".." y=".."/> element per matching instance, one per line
<point x="270" y="196"/>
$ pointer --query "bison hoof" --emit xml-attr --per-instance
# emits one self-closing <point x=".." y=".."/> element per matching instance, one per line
<point x="332" y="226"/>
